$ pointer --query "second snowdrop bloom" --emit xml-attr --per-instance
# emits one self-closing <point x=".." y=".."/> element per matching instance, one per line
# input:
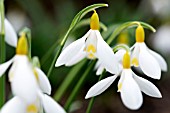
<point x="91" y="46"/>
<point x="21" y="75"/>
<point x="10" y="34"/>
<point x="150" y="62"/>
<point x="130" y="86"/>
<point x="43" y="103"/>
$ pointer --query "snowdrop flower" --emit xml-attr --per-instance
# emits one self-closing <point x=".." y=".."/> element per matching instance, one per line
<point x="130" y="86"/>
<point x="17" y="105"/>
<point x="92" y="46"/>
<point x="21" y="74"/>
<point x="10" y="34"/>
<point x="150" y="62"/>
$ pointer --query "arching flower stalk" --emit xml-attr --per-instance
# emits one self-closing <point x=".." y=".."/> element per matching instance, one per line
<point x="91" y="46"/>
<point x="150" y="62"/>
<point x="130" y="86"/>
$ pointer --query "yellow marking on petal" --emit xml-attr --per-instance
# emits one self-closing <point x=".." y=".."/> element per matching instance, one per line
<point x="126" y="61"/>
<point x="32" y="109"/>
<point x="91" y="56"/>
<point x="91" y="48"/>
<point x="119" y="87"/>
<point x="135" y="62"/>
<point x="22" y="47"/>
<point x="11" y="76"/>
<point x="36" y="75"/>
<point x="140" y="34"/>
<point x="94" y="21"/>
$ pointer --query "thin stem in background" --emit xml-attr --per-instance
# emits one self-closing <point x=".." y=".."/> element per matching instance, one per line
<point x="2" y="53"/>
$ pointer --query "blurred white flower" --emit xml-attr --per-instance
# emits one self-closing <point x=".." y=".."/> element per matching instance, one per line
<point x="17" y="105"/>
<point x="10" y="34"/>
<point x="161" y="40"/>
<point x="150" y="62"/>
<point x="92" y="46"/>
<point x="130" y="86"/>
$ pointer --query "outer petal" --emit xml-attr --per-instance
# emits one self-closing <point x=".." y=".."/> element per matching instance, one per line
<point x="148" y="63"/>
<point x="106" y="55"/>
<point x="160" y="60"/>
<point x="43" y="81"/>
<point x="147" y="87"/>
<point x="24" y="83"/>
<point x="15" y="105"/>
<point x="100" y="70"/>
<point x="100" y="87"/>
<point x="4" y="66"/>
<point x="130" y="93"/>
<point x="10" y="34"/>
<point x="77" y="58"/>
<point x="50" y="106"/>
<point x="70" y="51"/>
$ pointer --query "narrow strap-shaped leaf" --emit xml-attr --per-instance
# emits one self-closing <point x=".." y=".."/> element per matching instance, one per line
<point x="76" y="19"/>
<point x="126" y="25"/>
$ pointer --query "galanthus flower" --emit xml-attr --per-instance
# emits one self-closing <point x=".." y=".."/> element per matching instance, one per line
<point x="10" y="34"/>
<point x="92" y="46"/>
<point x="25" y="80"/>
<point x="130" y="86"/>
<point x="43" y="102"/>
<point x="150" y="62"/>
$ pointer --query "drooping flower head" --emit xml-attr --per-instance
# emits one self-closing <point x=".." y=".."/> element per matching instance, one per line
<point x="91" y="46"/>
<point x="130" y="85"/>
<point x="149" y="61"/>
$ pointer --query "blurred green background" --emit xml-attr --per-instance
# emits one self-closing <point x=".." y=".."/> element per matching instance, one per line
<point x="50" y="19"/>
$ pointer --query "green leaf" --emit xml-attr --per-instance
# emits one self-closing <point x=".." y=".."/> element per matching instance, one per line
<point x="127" y="25"/>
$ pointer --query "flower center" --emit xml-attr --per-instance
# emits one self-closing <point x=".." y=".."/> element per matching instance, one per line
<point x="94" y="21"/>
<point x="91" y="50"/>
<point x="32" y="109"/>
<point x="22" y="47"/>
<point x="135" y="62"/>
<point x="126" y="61"/>
<point x="140" y="34"/>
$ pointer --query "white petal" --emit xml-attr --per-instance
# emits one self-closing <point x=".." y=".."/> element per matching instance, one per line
<point x="160" y="60"/>
<point x="148" y="63"/>
<point x="24" y="83"/>
<point x="100" y="70"/>
<point x="106" y="55"/>
<point x="71" y="51"/>
<point x="130" y="93"/>
<point x="100" y="87"/>
<point x="10" y="34"/>
<point x="43" y="81"/>
<point x="4" y="66"/>
<point x="77" y="58"/>
<point x="50" y="106"/>
<point x="15" y="105"/>
<point x="147" y="87"/>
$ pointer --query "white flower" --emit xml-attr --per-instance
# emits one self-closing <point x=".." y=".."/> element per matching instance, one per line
<point x="17" y="105"/>
<point x="26" y="81"/>
<point x="10" y="34"/>
<point x="130" y="86"/>
<point x="150" y="62"/>
<point x="92" y="46"/>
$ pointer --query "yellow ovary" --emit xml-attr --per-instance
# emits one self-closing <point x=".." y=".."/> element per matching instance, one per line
<point x="126" y="61"/>
<point x="135" y="62"/>
<point x="91" y="50"/>
<point x="94" y="21"/>
<point x="140" y="34"/>
<point x="32" y="109"/>
<point x="22" y="47"/>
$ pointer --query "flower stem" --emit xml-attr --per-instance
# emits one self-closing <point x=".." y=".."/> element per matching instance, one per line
<point x="78" y="86"/>
<point x="2" y="53"/>
<point x="93" y="99"/>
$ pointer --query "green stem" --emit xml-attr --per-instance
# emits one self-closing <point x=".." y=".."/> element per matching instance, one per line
<point x="78" y="86"/>
<point x="2" y="53"/>
<point x="68" y="80"/>
<point x="93" y="99"/>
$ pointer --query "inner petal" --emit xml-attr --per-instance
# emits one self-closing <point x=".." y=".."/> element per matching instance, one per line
<point x="32" y="108"/>
<point x="135" y="62"/>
